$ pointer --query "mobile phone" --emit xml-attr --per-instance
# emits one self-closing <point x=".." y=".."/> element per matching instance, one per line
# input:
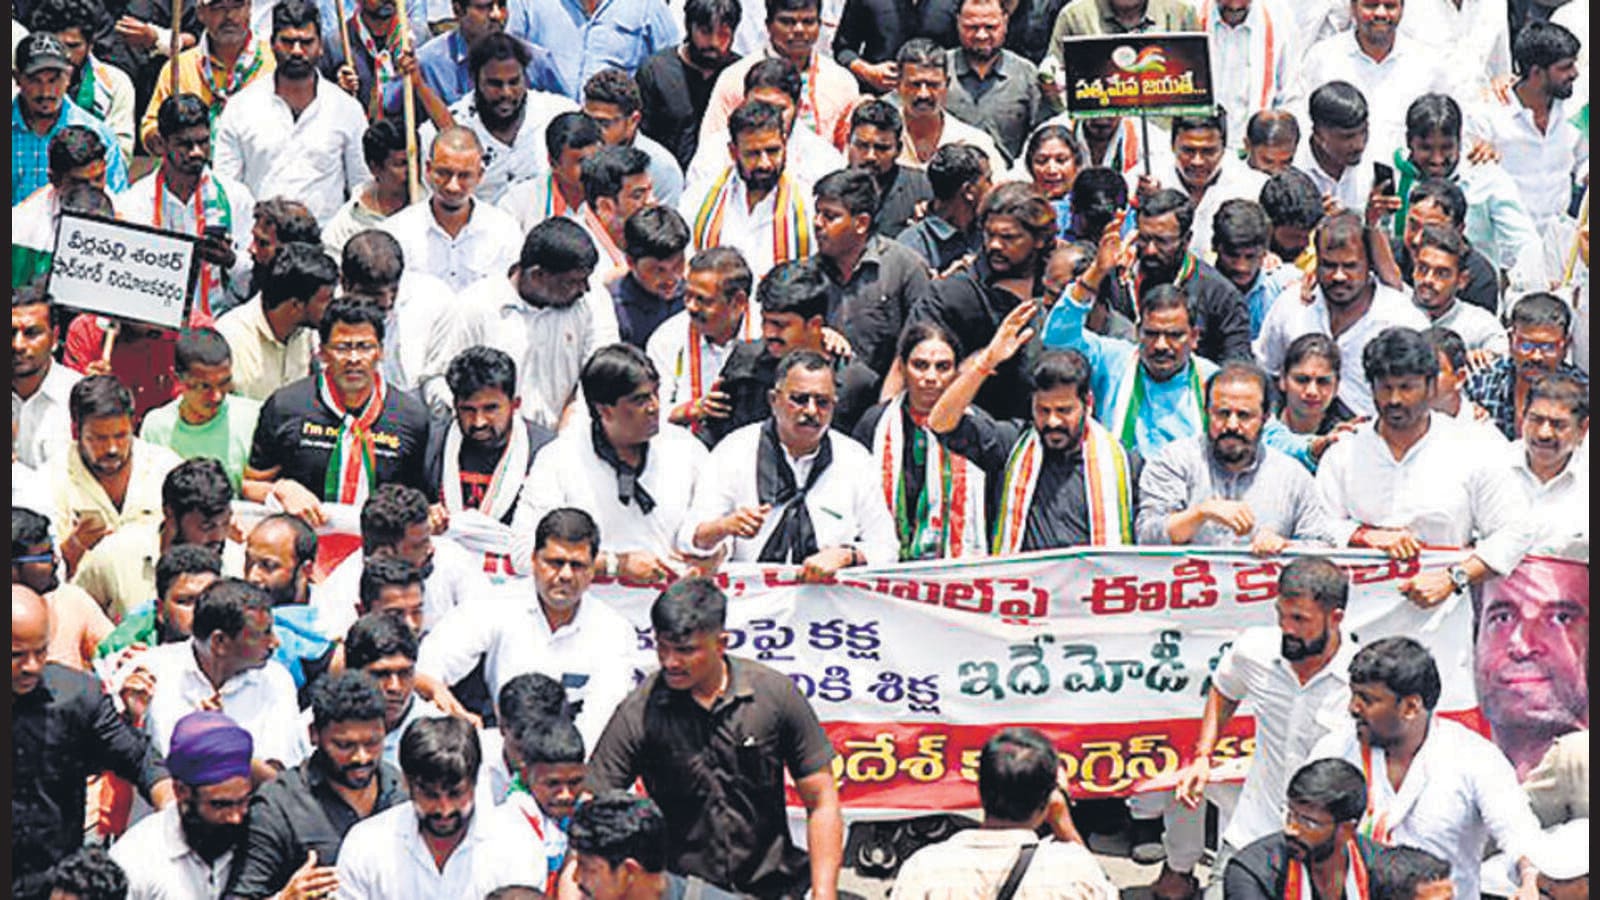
<point x="217" y="233"/>
<point x="1383" y="177"/>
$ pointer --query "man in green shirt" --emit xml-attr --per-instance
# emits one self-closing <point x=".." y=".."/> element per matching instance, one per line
<point x="207" y="419"/>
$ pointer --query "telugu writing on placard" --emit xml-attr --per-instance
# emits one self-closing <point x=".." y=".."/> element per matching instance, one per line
<point x="125" y="271"/>
<point x="1148" y="74"/>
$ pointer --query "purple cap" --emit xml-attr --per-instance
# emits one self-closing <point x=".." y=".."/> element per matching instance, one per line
<point x="208" y="748"/>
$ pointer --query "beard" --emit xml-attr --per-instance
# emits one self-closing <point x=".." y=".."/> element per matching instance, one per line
<point x="284" y="594"/>
<point x="492" y="118"/>
<point x="1242" y="450"/>
<point x="445" y="826"/>
<point x="206" y="839"/>
<point x="167" y="633"/>
<point x="760" y="180"/>
<point x="1295" y="649"/>
<point x="1310" y="854"/>
<point x="296" y="68"/>
<point x="706" y="59"/>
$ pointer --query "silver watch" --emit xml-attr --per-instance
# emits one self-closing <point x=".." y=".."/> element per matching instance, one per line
<point x="1459" y="580"/>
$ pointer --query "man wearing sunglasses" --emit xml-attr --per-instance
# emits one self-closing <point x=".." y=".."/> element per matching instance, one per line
<point x="1540" y="327"/>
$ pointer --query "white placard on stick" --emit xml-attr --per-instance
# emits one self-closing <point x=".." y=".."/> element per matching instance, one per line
<point x="123" y="270"/>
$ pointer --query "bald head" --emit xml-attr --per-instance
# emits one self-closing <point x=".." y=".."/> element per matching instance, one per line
<point x="457" y="139"/>
<point x="30" y="637"/>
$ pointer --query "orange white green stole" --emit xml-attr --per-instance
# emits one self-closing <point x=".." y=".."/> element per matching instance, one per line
<point x="1107" y="482"/>
<point x="791" y="224"/>
<point x="946" y="522"/>
<point x="351" y="471"/>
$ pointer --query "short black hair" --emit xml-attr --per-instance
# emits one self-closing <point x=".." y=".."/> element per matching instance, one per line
<point x="1540" y="309"/>
<point x="1338" y="104"/>
<point x="1291" y="198"/>
<point x="1240" y="224"/>
<point x="708" y="14"/>
<point x="1098" y="194"/>
<point x="558" y="245"/>
<point x="546" y="741"/>
<point x="1216" y="120"/>
<point x="74" y="147"/>
<point x="352" y="311"/>
<point x="305" y="537"/>
<point x="497" y="47"/>
<point x="440" y="752"/>
<point x="855" y="189"/>
<point x="1333" y="786"/>
<point x="1168" y="296"/>
<point x="200" y="346"/>
<point x="1317" y="578"/>
<point x="733" y="273"/>
<point x="1400" y="664"/>
<point x="98" y="397"/>
<point x="1272" y="128"/>
<point x="372" y="257"/>
<point x="1448" y="239"/>
<point x="1444" y="194"/>
<point x="297" y="272"/>
<point x="350" y="696"/>
<point x="571" y="130"/>
<point x="880" y="115"/>
<point x="604" y="173"/>
<point x="376" y="636"/>
<point x="1397" y="872"/>
<point x="1016" y="774"/>
<point x="198" y="485"/>
<point x="1559" y="387"/>
<point x="752" y="116"/>
<point x="380" y="572"/>
<point x="89" y="873"/>
<point x="805" y="361"/>
<point x="382" y="139"/>
<point x="29" y="529"/>
<point x="291" y="222"/>
<point x="1022" y="201"/>
<point x="31" y="294"/>
<point x="1432" y="114"/>
<point x="1399" y="352"/>
<point x="568" y="525"/>
<point x="1343" y="229"/>
<point x="178" y="561"/>
<point x="798" y="287"/>
<point x="530" y="697"/>
<point x="688" y="607"/>
<point x="55" y="16"/>
<point x="617" y="826"/>
<point x="181" y="111"/>
<point x="777" y="6"/>
<point x="478" y="368"/>
<point x="1061" y="368"/>
<point x="655" y="232"/>
<point x="1540" y="45"/>
<point x="953" y="167"/>
<point x="774" y="72"/>
<point x="612" y="373"/>
<point x="223" y="604"/>
<point x="1448" y="344"/>
<point x="288" y="14"/>
<point x="923" y="53"/>
<point x="1167" y="201"/>
<point x="388" y="512"/>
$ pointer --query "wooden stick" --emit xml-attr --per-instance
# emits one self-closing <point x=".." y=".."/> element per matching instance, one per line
<point x="112" y="329"/>
<point x="1577" y="237"/>
<point x="408" y="99"/>
<point x="177" y="42"/>
<point x="344" y="38"/>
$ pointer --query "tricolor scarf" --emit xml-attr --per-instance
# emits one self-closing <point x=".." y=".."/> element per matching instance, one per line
<point x="691" y="349"/>
<point x="244" y="71"/>
<point x="352" y="472"/>
<point x="94" y="95"/>
<point x="1132" y="275"/>
<point x="1263" y="55"/>
<point x="616" y="260"/>
<point x="1130" y="397"/>
<point x="383" y="65"/>
<point x="1375" y="824"/>
<point x="504" y="484"/>
<point x="554" y="203"/>
<point x="210" y="205"/>
<point x="1297" y="881"/>
<point x="33" y="235"/>
<point x="791" y="224"/>
<point x="1107" y="483"/>
<point x="947" y="520"/>
<point x="1123" y="153"/>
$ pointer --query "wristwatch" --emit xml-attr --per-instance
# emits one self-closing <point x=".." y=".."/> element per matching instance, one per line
<point x="1459" y="580"/>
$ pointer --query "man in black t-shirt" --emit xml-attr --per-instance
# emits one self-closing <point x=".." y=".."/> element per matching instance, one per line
<point x="336" y="436"/>
<point x="675" y="84"/>
<point x="480" y="458"/>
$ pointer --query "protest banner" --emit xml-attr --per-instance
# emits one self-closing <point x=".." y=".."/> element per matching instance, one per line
<point x="1137" y="75"/>
<point x="122" y="270"/>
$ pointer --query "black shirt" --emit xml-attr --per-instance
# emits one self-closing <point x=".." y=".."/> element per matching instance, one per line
<point x="675" y="96"/>
<point x="871" y="308"/>
<point x="639" y="312"/>
<point x="1259" y="871"/>
<point x="972" y="309"/>
<point x="478" y="463"/>
<point x="1483" y="282"/>
<point x="717" y="774"/>
<point x="938" y="242"/>
<point x="298" y="812"/>
<point x="1224" y="317"/>
<point x="899" y="192"/>
<point x="751" y="372"/>
<point x="63" y="731"/>
<point x="296" y="432"/>
<point x="873" y="30"/>
<point x="1059" y="513"/>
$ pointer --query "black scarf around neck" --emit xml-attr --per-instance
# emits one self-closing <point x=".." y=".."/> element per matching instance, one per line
<point x="793" y="539"/>
<point x="629" y="488"/>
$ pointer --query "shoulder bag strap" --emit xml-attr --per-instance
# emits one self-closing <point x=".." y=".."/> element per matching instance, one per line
<point x="1018" y="870"/>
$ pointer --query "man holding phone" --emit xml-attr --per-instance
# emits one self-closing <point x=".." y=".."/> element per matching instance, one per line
<point x="184" y="195"/>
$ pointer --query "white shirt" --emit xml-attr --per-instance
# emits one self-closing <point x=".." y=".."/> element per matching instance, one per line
<point x="846" y="504"/>
<point x="668" y="348"/>
<point x="524" y="158"/>
<point x="806" y="156"/>
<point x="1459" y="791"/>
<point x="569" y="472"/>
<point x="1475" y="36"/>
<point x="1289" y="318"/>
<point x="1479" y="329"/>
<point x="161" y="866"/>
<point x="1562" y="502"/>
<point x="548" y="344"/>
<point x="262" y="701"/>
<point x="138" y="204"/>
<point x="315" y="158"/>
<point x="419" y="709"/>
<point x="1541" y="163"/>
<point x="485" y="247"/>
<point x="1234" y="181"/>
<point x="590" y="655"/>
<point x="1410" y="70"/>
<point x="1446" y="490"/>
<point x="954" y="131"/>
<point x="1574" y="17"/>
<point x="1243" y="69"/>
<point x="422" y="304"/>
<point x="1290" y="718"/>
<point x="521" y="815"/>
<point x="1312" y="20"/>
<point x="534" y="200"/>
<point x="261" y="362"/>
<point x="975" y="863"/>
<point x="457" y="577"/>
<point x="750" y="231"/>
<point x="44" y="421"/>
<point x="1498" y="223"/>
<point x="1352" y="186"/>
<point x="384" y="858"/>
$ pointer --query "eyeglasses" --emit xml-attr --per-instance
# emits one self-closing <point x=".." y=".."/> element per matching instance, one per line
<point x="1545" y="347"/>
<point x="364" y="348"/>
<point x="1290" y="817"/>
<point x="35" y="558"/>
<point x="823" y="402"/>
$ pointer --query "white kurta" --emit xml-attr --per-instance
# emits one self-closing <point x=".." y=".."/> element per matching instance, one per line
<point x="44" y="421"/>
<point x="457" y="577"/>
<point x="161" y="866"/>
<point x="1562" y="503"/>
<point x="314" y="158"/>
<point x="262" y="701"/>
<point x="526" y="155"/>
<point x="485" y="248"/>
<point x="384" y="858"/>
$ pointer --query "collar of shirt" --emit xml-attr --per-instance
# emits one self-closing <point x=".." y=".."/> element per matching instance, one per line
<point x="939" y="226"/>
<point x="19" y="124"/>
<point x="257" y="313"/>
<point x="185" y="666"/>
<point x="961" y="65"/>
<point x="1337" y="668"/>
<point x="56" y="388"/>
<point x="581" y="618"/>
<point x="457" y="45"/>
<point x="1109" y="18"/>
<point x="737" y="689"/>
<point x="1519" y="463"/>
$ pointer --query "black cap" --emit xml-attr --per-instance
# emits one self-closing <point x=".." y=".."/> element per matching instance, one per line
<point x="40" y="51"/>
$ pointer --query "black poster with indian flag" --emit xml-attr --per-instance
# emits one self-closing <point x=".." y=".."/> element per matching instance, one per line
<point x="1138" y="75"/>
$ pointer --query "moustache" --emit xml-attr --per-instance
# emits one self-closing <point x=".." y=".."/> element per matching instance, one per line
<point x="808" y="421"/>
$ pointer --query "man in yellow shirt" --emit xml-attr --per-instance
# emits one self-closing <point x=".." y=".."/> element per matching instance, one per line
<point x="227" y="59"/>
